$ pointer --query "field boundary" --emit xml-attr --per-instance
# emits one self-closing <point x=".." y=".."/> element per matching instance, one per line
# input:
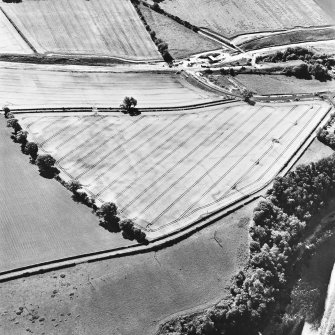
<point x="117" y="110"/>
<point x="164" y="241"/>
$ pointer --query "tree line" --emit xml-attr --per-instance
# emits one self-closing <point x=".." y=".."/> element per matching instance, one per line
<point x="259" y="291"/>
<point x="316" y="65"/>
<point x="162" y="46"/>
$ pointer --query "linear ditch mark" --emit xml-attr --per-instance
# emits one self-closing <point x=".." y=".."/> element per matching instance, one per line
<point x="244" y="187"/>
<point x="93" y="137"/>
<point x="19" y="31"/>
<point x="233" y="166"/>
<point x="218" y="135"/>
<point x="170" y="152"/>
<point x="120" y="146"/>
<point x="206" y="173"/>
<point x="160" y="131"/>
<point x="283" y="151"/>
<point x="145" y="157"/>
<point x="81" y="159"/>
<point x="185" y="156"/>
<point x="80" y="131"/>
<point x="62" y="130"/>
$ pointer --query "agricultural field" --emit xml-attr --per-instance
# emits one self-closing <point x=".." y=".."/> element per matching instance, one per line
<point x="39" y="220"/>
<point x="281" y="84"/>
<point x="291" y="37"/>
<point x="166" y="170"/>
<point x="127" y="294"/>
<point x="182" y="41"/>
<point x="232" y="18"/>
<point x="10" y="40"/>
<point x="33" y="86"/>
<point x="81" y="27"/>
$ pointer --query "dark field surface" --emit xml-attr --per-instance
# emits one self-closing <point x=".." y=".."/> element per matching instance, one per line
<point x="280" y="84"/>
<point x="309" y="35"/>
<point x="131" y="295"/>
<point x="39" y="221"/>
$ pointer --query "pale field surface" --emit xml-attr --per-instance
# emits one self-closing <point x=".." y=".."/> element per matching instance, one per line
<point x="232" y="18"/>
<point x="131" y="295"/>
<point x="34" y="87"/>
<point x="39" y="221"/>
<point x="182" y="41"/>
<point x="10" y="40"/>
<point x="165" y="171"/>
<point x="99" y="27"/>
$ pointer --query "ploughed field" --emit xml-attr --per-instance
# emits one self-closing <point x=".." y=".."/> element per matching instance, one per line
<point x="99" y="27"/>
<point x="235" y="17"/>
<point x="10" y="40"/>
<point x="166" y="170"/>
<point x="39" y="221"/>
<point x="33" y="86"/>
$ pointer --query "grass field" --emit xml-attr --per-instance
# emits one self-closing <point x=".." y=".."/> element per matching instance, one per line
<point x="280" y="84"/>
<point x="182" y="41"/>
<point x="231" y="18"/>
<point x="10" y="40"/>
<point x="165" y="171"/>
<point x="99" y="27"/>
<point x="292" y="37"/>
<point x="41" y="86"/>
<point x="39" y="220"/>
<point x="131" y="295"/>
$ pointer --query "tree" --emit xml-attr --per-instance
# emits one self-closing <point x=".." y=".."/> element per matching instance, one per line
<point x="108" y="216"/>
<point x="14" y="123"/>
<point x="45" y="164"/>
<point x="128" y="105"/>
<point x="6" y="110"/>
<point x="32" y="150"/>
<point x="130" y="232"/>
<point x="246" y="94"/>
<point x="21" y="137"/>
<point x="74" y="186"/>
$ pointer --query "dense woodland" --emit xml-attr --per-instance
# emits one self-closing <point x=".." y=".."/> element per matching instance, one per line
<point x="259" y="292"/>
